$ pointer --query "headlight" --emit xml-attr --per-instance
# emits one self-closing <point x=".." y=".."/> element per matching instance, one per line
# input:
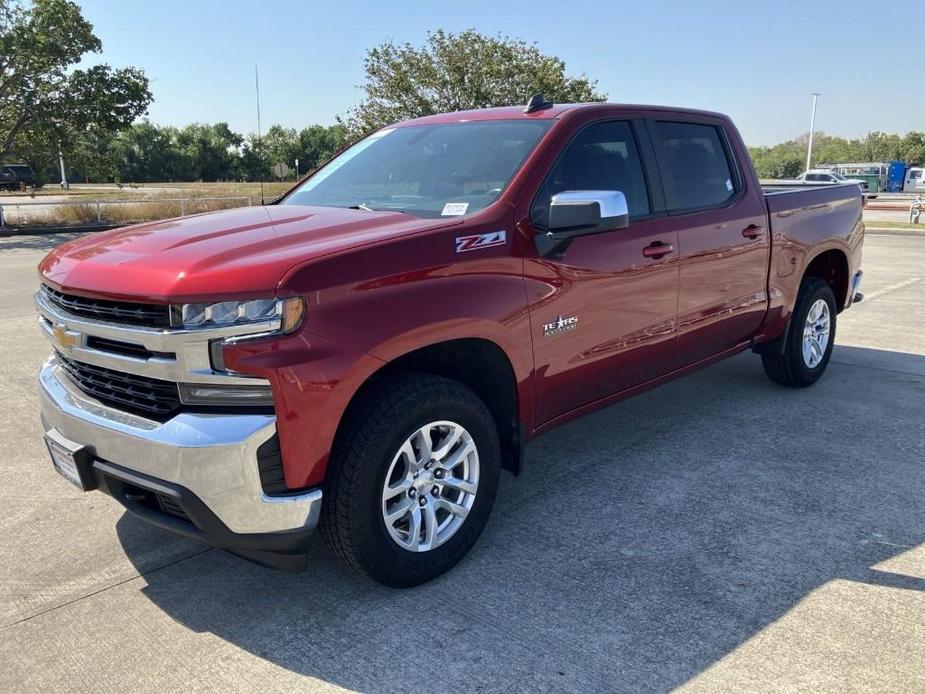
<point x="283" y="315"/>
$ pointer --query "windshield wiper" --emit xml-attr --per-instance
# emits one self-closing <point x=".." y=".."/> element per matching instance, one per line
<point x="367" y="208"/>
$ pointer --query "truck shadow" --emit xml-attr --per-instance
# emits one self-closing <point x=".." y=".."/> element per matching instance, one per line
<point x="640" y="547"/>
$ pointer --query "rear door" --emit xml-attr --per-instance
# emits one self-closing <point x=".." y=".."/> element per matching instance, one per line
<point x="720" y="218"/>
<point x="602" y="307"/>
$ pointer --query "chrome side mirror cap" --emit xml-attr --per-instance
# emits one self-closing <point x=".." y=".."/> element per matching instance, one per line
<point x="579" y="212"/>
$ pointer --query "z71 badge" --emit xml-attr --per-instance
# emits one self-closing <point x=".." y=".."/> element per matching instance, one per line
<point x="562" y="324"/>
<point x="479" y="241"/>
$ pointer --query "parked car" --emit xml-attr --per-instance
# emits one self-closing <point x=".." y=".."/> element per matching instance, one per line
<point x="366" y="354"/>
<point x="16" y="176"/>
<point x="823" y="176"/>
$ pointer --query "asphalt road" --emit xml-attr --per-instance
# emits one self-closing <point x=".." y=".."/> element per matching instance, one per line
<point x="719" y="534"/>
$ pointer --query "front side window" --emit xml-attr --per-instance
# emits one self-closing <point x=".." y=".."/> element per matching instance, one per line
<point x="603" y="156"/>
<point x="695" y="168"/>
<point x="450" y="169"/>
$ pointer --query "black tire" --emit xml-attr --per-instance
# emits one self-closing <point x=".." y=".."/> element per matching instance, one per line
<point x="790" y="368"/>
<point x="352" y="522"/>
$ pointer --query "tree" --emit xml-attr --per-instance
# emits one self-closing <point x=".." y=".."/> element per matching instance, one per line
<point x="42" y="98"/>
<point x="454" y="72"/>
<point x="318" y="143"/>
<point x="207" y="152"/>
<point x="281" y="145"/>
<point x="146" y="152"/>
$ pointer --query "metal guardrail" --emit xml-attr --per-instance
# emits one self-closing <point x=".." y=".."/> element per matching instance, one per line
<point x="182" y="203"/>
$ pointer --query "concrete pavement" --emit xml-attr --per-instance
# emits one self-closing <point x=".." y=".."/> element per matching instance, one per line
<point x="719" y="534"/>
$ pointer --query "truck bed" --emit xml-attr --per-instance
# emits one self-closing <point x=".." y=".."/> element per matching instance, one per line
<point x="784" y="185"/>
<point x="807" y="220"/>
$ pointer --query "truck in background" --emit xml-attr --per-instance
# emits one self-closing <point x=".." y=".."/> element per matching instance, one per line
<point x="905" y="178"/>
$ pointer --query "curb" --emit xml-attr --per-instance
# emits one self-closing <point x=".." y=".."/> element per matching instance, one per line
<point x="886" y="231"/>
<point x="41" y="231"/>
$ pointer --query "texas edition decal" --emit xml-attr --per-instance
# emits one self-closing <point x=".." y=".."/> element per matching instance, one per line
<point x="562" y="324"/>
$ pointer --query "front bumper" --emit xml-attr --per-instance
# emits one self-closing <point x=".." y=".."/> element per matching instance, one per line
<point x="206" y="462"/>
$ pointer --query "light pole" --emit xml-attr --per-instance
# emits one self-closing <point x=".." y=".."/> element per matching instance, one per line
<point x="64" y="185"/>
<point x="812" y="130"/>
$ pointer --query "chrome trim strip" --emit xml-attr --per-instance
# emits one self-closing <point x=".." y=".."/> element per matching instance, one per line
<point x="214" y="456"/>
<point x="191" y="347"/>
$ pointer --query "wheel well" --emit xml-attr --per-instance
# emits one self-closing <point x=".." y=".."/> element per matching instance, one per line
<point x="832" y="266"/>
<point x="479" y="364"/>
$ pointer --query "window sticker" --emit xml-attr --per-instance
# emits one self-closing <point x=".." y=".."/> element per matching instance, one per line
<point x="454" y="209"/>
<point x="728" y="185"/>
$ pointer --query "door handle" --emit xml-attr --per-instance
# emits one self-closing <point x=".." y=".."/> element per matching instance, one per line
<point x="753" y="231"/>
<point x="657" y="250"/>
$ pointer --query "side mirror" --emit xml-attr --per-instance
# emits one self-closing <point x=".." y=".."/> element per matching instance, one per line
<point x="579" y="212"/>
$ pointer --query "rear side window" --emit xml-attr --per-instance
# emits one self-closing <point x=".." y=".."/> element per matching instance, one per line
<point x="696" y="172"/>
<point x="603" y="156"/>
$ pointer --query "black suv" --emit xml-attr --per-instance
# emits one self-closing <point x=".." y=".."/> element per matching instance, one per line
<point x="14" y="176"/>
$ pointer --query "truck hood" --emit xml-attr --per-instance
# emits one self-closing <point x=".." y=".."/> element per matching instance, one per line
<point x="240" y="253"/>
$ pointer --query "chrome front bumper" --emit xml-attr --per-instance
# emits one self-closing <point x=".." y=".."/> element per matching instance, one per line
<point x="213" y="456"/>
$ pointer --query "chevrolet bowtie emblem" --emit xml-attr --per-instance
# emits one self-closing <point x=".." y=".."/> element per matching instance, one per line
<point x="63" y="337"/>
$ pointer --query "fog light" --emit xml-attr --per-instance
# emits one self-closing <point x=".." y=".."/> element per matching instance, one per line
<point x="220" y="394"/>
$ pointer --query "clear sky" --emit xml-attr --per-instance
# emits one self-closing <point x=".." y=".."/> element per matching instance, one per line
<point x="756" y="61"/>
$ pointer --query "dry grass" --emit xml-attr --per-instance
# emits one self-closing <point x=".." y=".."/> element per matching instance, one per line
<point x="100" y="191"/>
<point x="137" y="204"/>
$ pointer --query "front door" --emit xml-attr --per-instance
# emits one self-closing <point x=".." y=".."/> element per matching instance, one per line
<point x="603" y="308"/>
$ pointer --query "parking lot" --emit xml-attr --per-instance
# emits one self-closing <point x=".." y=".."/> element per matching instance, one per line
<point x="720" y="533"/>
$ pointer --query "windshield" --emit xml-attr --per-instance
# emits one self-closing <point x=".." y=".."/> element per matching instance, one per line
<point x="442" y="170"/>
<point x="838" y="177"/>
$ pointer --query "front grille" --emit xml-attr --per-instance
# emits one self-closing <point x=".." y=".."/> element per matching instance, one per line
<point x="125" y="348"/>
<point x="151" y="315"/>
<point x="148" y="397"/>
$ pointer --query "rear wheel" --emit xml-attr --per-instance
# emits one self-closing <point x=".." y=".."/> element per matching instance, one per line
<point x="810" y="340"/>
<point x="413" y="480"/>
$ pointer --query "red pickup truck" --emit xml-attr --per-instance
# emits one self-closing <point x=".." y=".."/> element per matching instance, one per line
<point x="366" y="354"/>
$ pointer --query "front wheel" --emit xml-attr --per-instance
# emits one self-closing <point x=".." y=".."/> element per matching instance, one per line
<point x="412" y="480"/>
<point x="809" y="343"/>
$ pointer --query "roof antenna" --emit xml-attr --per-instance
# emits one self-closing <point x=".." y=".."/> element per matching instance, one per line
<point x="537" y="103"/>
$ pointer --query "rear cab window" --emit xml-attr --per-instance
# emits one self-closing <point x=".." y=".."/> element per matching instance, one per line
<point x="696" y="165"/>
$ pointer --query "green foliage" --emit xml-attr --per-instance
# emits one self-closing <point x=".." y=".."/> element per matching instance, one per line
<point x="145" y="153"/>
<point x="788" y="159"/>
<point x="44" y="101"/>
<point x="454" y="72"/>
